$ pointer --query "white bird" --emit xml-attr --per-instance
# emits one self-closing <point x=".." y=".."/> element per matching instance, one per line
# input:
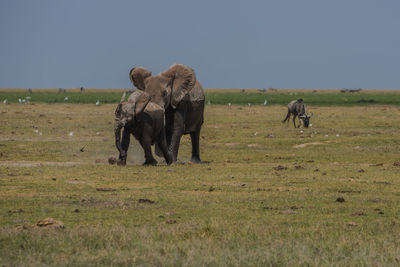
<point x="209" y="102"/>
<point x="5" y="101"/>
<point x="229" y="104"/>
<point x="23" y="100"/>
<point x="19" y="100"/>
<point x="249" y="104"/>
<point x="265" y="102"/>
<point x="98" y="102"/>
<point x="71" y="134"/>
<point x="28" y="97"/>
<point x="66" y="98"/>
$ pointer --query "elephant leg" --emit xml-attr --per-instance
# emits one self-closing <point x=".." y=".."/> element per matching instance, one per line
<point x="162" y="145"/>
<point x="195" y="138"/>
<point x="124" y="145"/>
<point x="148" y="155"/>
<point x="158" y="150"/>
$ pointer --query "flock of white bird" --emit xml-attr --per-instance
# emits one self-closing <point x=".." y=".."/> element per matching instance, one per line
<point x="26" y="100"/>
<point x="230" y="104"/>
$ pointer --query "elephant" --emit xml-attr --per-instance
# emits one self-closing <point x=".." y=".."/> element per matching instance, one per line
<point x="182" y="96"/>
<point x="145" y="121"/>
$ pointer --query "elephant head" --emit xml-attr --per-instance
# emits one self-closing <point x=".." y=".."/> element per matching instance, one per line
<point x="126" y="113"/>
<point x="167" y="88"/>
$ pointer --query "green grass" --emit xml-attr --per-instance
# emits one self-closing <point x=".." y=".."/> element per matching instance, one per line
<point x="52" y="96"/>
<point x="237" y="210"/>
<point x="221" y="97"/>
<point x="319" y="98"/>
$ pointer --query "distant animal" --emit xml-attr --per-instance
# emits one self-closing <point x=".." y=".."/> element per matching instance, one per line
<point x="82" y="89"/>
<point x="30" y="90"/>
<point x="62" y="90"/>
<point x="346" y="90"/>
<point x="298" y="108"/>
<point x="146" y="121"/>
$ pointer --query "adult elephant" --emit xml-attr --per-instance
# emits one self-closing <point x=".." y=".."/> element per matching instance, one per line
<point x="182" y="96"/>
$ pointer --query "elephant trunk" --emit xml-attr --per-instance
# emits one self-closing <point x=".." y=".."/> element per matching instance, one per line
<point x="117" y="131"/>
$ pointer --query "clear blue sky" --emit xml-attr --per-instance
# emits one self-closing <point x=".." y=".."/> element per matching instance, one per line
<point x="229" y="43"/>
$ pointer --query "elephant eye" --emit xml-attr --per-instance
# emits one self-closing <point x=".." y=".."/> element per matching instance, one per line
<point x="164" y="93"/>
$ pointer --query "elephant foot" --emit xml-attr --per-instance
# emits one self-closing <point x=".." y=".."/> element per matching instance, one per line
<point x="121" y="162"/>
<point x="152" y="162"/>
<point x="195" y="160"/>
<point x="173" y="159"/>
<point x="168" y="161"/>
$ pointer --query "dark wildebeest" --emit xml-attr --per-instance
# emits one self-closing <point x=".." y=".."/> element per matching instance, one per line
<point x="298" y="108"/>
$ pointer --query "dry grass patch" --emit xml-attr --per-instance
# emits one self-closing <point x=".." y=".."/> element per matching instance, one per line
<point x="241" y="208"/>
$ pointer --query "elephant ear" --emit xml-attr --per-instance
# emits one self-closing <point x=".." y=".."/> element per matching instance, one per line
<point x="140" y="100"/>
<point x="138" y="76"/>
<point x="183" y="79"/>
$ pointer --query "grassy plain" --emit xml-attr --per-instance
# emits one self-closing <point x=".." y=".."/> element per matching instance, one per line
<point x="266" y="197"/>
<point x="216" y="96"/>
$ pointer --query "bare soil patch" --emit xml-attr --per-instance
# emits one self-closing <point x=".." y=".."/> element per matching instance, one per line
<point x="307" y="144"/>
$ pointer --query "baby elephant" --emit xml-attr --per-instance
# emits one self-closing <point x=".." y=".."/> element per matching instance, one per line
<point x="144" y="120"/>
<point x="298" y="108"/>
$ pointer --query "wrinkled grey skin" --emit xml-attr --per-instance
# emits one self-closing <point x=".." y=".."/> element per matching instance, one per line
<point x="144" y="120"/>
<point x="182" y="96"/>
<point x="298" y="108"/>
